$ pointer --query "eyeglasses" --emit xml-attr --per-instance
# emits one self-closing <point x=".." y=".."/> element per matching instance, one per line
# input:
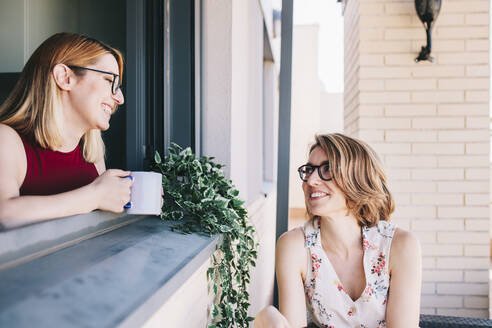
<point x="306" y="170"/>
<point x="115" y="84"/>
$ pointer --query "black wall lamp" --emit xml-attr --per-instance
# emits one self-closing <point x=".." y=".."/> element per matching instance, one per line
<point x="427" y="10"/>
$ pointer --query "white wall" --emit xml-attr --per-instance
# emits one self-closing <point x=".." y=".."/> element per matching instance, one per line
<point x="331" y="114"/>
<point x="270" y="121"/>
<point x="306" y="104"/>
<point x="430" y="124"/>
<point x="235" y="114"/>
<point x="217" y="80"/>
<point x="247" y="99"/>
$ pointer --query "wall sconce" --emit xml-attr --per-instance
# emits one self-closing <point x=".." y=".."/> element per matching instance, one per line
<point x="427" y="10"/>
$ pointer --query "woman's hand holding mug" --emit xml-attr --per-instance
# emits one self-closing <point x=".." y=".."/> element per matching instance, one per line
<point x="112" y="190"/>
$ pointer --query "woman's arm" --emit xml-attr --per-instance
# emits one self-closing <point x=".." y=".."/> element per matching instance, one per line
<point x="269" y="317"/>
<point x="290" y="265"/>
<point x="107" y="192"/>
<point x="403" y="308"/>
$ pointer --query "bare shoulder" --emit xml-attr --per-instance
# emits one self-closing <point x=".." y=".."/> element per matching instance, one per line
<point x="11" y="143"/>
<point x="8" y="135"/>
<point x="404" y="247"/>
<point x="13" y="161"/>
<point x="403" y="240"/>
<point x="292" y="239"/>
<point x="290" y="252"/>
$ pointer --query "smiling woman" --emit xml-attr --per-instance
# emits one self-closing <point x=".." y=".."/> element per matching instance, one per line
<point x="350" y="279"/>
<point x="51" y="150"/>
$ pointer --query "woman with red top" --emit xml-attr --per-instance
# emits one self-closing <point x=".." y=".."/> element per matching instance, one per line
<point x="51" y="150"/>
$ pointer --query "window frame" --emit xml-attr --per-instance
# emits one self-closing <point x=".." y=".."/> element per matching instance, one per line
<point x="163" y="76"/>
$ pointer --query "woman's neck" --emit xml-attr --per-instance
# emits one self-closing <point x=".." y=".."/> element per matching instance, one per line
<point x="70" y="140"/>
<point x="72" y="129"/>
<point x="71" y="134"/>
<point x="341" y="234"/>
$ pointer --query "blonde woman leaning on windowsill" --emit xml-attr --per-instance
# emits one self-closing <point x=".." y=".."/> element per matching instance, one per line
<point x="349" y="266"/>
<point x="51" y="150"/>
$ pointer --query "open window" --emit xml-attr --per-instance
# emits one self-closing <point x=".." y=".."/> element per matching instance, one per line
<point x="157" y="38"/>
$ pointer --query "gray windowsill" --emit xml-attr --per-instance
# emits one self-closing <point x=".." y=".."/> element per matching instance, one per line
<point x="100" y="276"/>
<point x="25" y="243"/>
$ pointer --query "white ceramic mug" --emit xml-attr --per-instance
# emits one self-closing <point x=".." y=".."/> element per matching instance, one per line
<point x="145" y="193"/>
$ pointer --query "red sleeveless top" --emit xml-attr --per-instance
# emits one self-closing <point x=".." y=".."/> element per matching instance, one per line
<point x="52" y="172"/>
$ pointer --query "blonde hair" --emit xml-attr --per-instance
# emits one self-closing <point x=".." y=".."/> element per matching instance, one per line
<point x="33" y="107"/>
<point x="358" y="173"/>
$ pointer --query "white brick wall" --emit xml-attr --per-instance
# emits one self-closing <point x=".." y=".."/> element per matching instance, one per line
<point x="351" y="67"/>
<point x="429" y="123"/>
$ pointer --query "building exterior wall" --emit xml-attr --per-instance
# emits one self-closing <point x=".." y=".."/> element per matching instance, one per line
<point x="247" y="98"/>
<point x="331" y="112"/>
<point x="351" y="66"/>
<point x="216" y="80"/>
<point x="313" y="109"/>
<point x="430" y="124"/>
<point x="234" y="79"/>
<point x="270" y="121"/>
<point x="305" y="110"/>
<point x="189" y="306"/>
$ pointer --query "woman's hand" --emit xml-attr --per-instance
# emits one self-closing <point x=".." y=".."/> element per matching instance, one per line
<point x="270" y="317"/>
<point x="112" y="190"/>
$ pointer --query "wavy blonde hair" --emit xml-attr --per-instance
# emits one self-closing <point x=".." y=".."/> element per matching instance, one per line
<point x="33" y="108"/>
<point x="358" y="173"/>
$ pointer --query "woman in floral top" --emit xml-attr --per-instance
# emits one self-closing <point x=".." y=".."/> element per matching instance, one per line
<point x="348" y="266"/>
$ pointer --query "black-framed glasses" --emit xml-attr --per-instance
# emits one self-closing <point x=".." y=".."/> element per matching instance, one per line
<point x="306" y="170"/>
<point x="115" y="84"/>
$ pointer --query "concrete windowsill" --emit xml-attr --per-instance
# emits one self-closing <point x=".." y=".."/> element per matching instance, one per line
<point x="111" y="271"/>
<point x="23" y="244"/>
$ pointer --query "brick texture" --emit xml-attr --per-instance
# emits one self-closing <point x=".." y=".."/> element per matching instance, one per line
<point x="429" y="123"/>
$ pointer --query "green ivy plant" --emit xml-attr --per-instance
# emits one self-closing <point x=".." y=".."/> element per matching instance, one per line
<point x="199" y="198"/>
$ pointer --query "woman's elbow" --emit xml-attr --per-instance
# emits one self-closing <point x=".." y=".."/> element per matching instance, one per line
<point x="3" y="221"/>
<point x="7" y="216"/>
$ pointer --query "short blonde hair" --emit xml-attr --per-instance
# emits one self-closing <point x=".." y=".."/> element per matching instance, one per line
<point x="33" y="107"/>
<point x="358" y="172"/>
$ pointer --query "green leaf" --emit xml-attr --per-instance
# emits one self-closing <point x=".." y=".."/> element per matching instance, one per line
<point x="188" y="204"/>
<point x="177" y="215"/>
<point x="201" y="199"/>
<point x="157" y="157"/>
<point x="215" y="311"/>
<point x="209" y="193"/>
<point x="222" y="203"/>
<point x="237" y="202"/>
<point x="224" y="228"/>
<point x="233" y="192"/>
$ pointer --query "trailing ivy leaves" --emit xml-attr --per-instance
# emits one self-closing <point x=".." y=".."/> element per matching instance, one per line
<point x="199" y="198"/>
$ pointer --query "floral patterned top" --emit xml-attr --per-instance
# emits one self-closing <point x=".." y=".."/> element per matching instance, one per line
<point x="329" y="306"/>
